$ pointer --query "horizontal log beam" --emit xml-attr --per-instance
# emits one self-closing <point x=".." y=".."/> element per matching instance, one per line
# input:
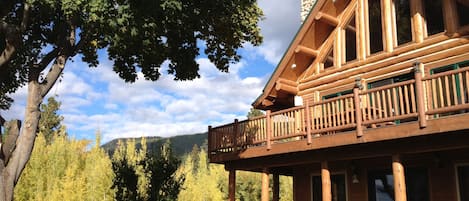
<point x="287" y="82"/>
<point x="286" y="88"/>
<point x="329" y="19"/>
<point x="306" y="50"/>
<point x="444" y="50"/>
<point x="267" y="103"/>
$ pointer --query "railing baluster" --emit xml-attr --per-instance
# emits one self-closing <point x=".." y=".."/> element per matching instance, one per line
<point x="455" y="97"/>
<point x="461" y="88"/>
<point x="406" y="98"/>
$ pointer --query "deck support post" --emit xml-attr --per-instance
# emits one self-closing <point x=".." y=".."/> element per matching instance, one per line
<point x="235" y="135"/>
<point x="276" y="187"/>
<point x="269" y="129"/>
<point x="308" y="122"/>
<point x="265" y="185"/>
<point x="358" y="111"/>
<point x="326" y="182"/>
<point x="399" y="178"/>
<point x="232" y="185"/>
<point x="420" y="95"/>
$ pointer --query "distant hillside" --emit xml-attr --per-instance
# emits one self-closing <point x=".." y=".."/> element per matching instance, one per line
<point x="181" y="144"/>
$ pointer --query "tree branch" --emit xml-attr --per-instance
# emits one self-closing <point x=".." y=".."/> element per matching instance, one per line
<point x="10" y="49"/>
<point x="25" y="21"/>
<point x="13" y="35"/>
<point x="46" y="60"/>
<point x="53" y="75"/>
<point x="59" y="64"/>
<point x="10" y="143"/>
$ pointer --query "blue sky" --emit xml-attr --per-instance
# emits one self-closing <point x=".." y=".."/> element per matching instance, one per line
<point x="96" y="98"/>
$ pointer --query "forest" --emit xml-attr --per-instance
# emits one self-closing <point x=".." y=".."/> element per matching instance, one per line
<point x="64" y="168"/>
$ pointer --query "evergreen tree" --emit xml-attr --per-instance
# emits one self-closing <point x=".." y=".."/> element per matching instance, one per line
<point x="254" y="113"/>
<point x="131" y="181"/>
<point x="51" y="122"/>
<point x="164" y="183"/>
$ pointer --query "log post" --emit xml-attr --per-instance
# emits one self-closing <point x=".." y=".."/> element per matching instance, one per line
<point x="276" y="190"/>
<point x="358" y="111"/>
<point x="420" y="95"/>
<point x="450" y="16"/>
<point x="308" y="122"/>
<point x="362" y="36"/>
<point x="265" y="185"/>
<point x="416" y="10"/>
<point x="211" y="147"/>
<point x="269" y="129"/>
<point x="399" y="179"/>
<point x="232" y="185"/>
<point x="388" y="26"/>
<point x="235" y="135"/>
<point x="326" y="182"/>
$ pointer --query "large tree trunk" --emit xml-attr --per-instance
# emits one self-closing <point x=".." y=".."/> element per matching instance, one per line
<point x="17" y="149"/>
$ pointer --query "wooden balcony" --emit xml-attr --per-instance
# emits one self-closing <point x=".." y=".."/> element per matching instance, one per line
<point x="433" y="104"/>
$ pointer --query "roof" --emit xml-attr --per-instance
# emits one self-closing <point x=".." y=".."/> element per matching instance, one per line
<point x="269" y="88"/>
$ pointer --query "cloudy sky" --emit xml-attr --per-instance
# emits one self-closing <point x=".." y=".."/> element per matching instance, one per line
<point x="96" y="98"/>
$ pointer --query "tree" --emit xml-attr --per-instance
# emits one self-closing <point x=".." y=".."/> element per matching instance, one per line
<point x="254" y="113"/>
<point x="131" y="181"/>
<point x="38" y="38"/>
<point x="165" y="184"/>
<point x="50" y="123"/>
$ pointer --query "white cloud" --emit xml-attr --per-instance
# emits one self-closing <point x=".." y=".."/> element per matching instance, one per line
<point x="282" y="20"/>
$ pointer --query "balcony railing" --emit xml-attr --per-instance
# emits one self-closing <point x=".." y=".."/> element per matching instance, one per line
<point x="418" y="99"/>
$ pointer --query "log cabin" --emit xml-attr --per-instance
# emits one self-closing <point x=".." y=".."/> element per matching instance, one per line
<point x="370" y="102"/>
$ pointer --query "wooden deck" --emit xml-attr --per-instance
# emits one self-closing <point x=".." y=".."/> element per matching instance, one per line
<point x="433" y="104"/>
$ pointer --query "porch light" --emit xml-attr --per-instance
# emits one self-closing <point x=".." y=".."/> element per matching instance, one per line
<point x="355" y="179"/>
<point x="354" y="171"/>
<point x="293" y="66"/>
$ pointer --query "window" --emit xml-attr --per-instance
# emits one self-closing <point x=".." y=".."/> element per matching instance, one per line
<point x="463" y="182"/>
<point x="381" y="185"/>
<point x="342" y="93"/>
<point x="350" y="41"/>
<point x="392" y="80"/>
<point x="404" y="28"/>
<point x="434" y="16"/>
<point x="337" y="187"/>
<point x="329" y="60"/>
<point x="376" y="34"/>
<point x="463" y="12"/>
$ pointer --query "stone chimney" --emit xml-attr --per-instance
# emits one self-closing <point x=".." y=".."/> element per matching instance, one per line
<point x="306" y="6"/>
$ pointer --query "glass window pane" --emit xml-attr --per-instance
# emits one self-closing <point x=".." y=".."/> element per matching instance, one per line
<point x="434" y="17"/>
<point x="404" y="28"/>
<point x="463" y="182"/>
<point x="463" y="12"/>
<point x="350" y="41"/>
<point x="381" y="185"/>
<point x="376" y="36"/>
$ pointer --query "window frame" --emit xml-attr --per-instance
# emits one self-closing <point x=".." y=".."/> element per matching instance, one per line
<point x="456" y="173"/>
